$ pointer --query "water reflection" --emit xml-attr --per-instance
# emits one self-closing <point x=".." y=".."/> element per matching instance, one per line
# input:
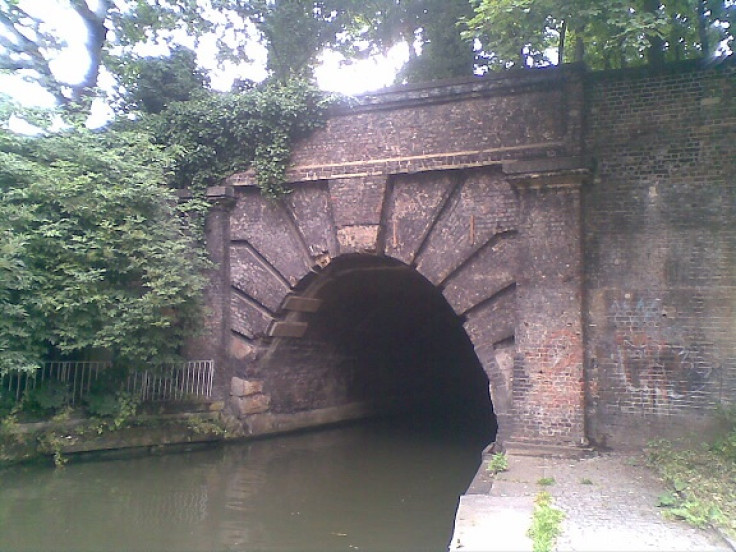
<point x="380" y="486"/>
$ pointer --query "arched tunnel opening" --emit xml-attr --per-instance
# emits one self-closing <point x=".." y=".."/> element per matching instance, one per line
<point x="385" y="336"/>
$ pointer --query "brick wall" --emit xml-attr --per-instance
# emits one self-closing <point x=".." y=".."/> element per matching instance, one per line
<point x="660" y="250"/>
<point x="623" y="291"/>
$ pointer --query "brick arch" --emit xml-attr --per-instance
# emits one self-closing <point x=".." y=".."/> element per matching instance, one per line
<point x="455" y="228"/>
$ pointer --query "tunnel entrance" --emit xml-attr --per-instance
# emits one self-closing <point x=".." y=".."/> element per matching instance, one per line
<point x="384" y="336"/>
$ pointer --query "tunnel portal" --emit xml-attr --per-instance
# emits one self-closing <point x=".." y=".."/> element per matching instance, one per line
<point x="385" y="337"/>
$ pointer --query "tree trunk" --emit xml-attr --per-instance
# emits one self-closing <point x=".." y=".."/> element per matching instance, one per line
<point x="96" y="37"/>
<point x="655" y="52"/>
<point x="561" y="48"/>
<point x="703" y="29"/>
<point x="579" y="48"/>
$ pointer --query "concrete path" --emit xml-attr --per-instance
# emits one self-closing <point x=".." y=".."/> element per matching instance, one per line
<point x="609" y="501"/>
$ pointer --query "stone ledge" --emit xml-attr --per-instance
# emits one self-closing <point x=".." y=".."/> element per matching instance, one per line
<point x="272" y="423"/>
<point x="557" y="451"/>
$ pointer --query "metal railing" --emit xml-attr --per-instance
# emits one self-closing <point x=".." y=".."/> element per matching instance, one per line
<point x="171" y="382"/>
<point x="174" y="382"/>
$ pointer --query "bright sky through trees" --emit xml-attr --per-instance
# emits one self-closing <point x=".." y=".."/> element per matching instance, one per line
<point x="334" y="74"/>
<point x="67" y="47"/>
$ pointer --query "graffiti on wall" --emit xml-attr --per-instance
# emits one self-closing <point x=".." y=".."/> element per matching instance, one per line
<point x="656" y="360"/>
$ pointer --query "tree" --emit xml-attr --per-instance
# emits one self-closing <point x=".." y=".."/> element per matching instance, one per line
<point x="95" y="256"/>
<point x="296" y="31"/>
<point x="30" y="44"/>
<point x="151" y="84"/>
<point x="432" y="28"/>
<point x="605" y="34"/>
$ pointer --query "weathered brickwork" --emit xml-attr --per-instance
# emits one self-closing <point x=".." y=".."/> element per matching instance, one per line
<point x="548" y="371"/>
<point x="580" y="225"/>
<point x="660" y="227"/>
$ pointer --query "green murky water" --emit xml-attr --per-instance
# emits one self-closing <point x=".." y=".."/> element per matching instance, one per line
<point x="378" y="486"/>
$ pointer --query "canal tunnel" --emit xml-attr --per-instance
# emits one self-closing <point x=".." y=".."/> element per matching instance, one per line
<point x="382" y="336"/>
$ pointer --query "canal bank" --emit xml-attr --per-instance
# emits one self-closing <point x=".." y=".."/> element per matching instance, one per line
<point x="609" y="500"/>
<point x="156" y="428"/>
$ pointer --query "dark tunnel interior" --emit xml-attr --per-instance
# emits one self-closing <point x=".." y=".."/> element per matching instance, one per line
<point x="384" y="334"/>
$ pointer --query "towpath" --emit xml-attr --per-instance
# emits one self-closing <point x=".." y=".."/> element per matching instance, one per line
<point x="609" y="501"/>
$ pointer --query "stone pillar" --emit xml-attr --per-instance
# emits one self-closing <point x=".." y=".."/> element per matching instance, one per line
<point x="548" y="376"/>
<point x="213" y="342"/>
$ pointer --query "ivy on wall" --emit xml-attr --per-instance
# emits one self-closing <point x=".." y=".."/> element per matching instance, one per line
<point x="217" y="134"/>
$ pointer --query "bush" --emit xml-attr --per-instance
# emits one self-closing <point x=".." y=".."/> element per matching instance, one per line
<point x="7" y="403"/>
<point x="95" y="254"/>
<point x="118" y="407"/>
<point x="47" y="398"/>
<point x="725" y="445"/>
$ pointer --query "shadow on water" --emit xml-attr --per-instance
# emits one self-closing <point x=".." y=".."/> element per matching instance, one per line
<point x="391" y="484"/>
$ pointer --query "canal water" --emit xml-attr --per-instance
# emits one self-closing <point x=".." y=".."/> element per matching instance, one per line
<point x="379" y="486"/>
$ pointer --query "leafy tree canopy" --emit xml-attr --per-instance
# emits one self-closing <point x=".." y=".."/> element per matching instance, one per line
<point x="151" y="84"/>
<point x="34" y="37"/>
<point x="297" y="31"/>
<point x="603" y="33"/>
<point x="433" y="30"/>
<point x="294" y="33"/>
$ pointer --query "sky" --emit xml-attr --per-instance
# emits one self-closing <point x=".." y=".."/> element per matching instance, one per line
<point x="334" y="74"/>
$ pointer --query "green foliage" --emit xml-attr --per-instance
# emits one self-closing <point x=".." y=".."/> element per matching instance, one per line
<point x="153" y="83"/>
<point x="603" y="33"/>
<point x="216" y="135"/>
<point x="434" y="25"/>
<point x="7" y="403"/>
<point x="49" y="397"/>
<point x="110" y="406"/>
<point x="9" y="423"/>
<point x="697" y="513"/>
<point x="98" y="257"/>
<point x="117" y="409"/>
<point x="702" y="482"/>
<point x="725" y="444"/>
<point x="30" y="42"/>
<point x="51" y="442"/>
<point x="498" y="463"/>
<point x="295" y="31"/>
<point x="669" y="499"/>
<point x="206" y="425"/>
<point x="546" y="481"/>
<point x="19" y="351"/>
<point x="546" y="521"/>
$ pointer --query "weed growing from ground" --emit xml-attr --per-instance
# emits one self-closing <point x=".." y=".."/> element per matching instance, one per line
<point x="702" y="481"/>
<point x="546" y="521"/>
<point x="498" y="463"/>
<point x="546" y="481"/>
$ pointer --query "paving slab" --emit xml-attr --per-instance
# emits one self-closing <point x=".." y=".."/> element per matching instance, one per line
<point x="492" y="524"/>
